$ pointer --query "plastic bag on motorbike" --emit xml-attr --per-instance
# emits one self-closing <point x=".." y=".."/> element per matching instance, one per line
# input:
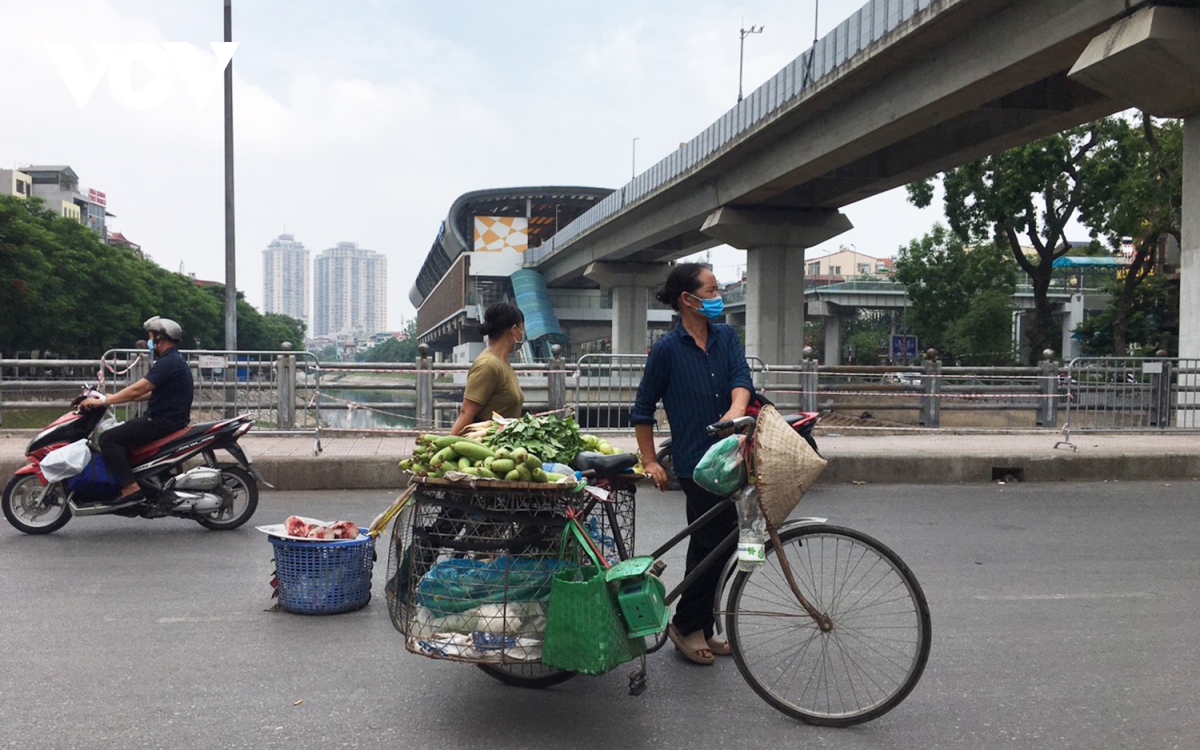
<point x="95" y="483"/>
<point x="67" y="461"/>
<point x="723" y="469"/>
<point x="107" y="423"/>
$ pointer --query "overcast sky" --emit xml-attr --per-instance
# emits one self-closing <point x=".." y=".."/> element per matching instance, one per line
<point x="363" y="120"/>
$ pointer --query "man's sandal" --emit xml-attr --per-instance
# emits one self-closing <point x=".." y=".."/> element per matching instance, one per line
<point x="692" y="655"/>
<point x="720" y="648"/>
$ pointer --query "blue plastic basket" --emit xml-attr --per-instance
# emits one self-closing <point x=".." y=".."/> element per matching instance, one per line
<point x="324" y="578"/>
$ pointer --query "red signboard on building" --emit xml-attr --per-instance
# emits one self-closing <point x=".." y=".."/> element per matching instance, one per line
<point x="97" y="197"/>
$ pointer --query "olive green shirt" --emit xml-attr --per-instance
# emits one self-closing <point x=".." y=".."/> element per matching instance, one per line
<point x="492" y="383"/>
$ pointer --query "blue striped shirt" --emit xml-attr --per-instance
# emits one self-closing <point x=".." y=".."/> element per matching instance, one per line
<point x="694" y="386"/>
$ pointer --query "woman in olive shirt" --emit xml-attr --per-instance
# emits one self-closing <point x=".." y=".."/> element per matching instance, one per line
<point x="491" y="383"/>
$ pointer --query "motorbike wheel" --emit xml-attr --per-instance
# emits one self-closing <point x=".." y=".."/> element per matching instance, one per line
<point x="34" y="508"/>
<point x="239" y="501"/>
<point x="665" y="460"/>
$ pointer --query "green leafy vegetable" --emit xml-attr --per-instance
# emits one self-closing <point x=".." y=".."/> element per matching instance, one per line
<point x="550" y="438"/>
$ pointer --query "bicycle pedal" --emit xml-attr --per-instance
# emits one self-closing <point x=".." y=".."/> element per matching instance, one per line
<point x="657" y="568"/>
<point x="637" y="682"/>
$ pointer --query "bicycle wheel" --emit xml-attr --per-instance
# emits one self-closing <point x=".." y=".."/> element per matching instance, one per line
<point x="871" y="658"/>
<point x="530" y="675"/>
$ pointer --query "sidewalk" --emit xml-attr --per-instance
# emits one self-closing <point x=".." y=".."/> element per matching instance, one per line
<point x="918" y="457"/>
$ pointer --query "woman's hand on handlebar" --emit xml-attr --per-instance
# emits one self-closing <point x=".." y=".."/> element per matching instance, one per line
<point x="657" y="473"/>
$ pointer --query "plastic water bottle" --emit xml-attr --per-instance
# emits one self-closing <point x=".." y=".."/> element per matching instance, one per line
<point x="752" y="531"/>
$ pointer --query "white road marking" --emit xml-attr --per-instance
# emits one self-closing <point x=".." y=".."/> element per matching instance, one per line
<point x="1056" y="597"/>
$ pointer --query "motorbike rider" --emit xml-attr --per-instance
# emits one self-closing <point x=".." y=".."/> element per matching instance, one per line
<point x="168" y="387"/>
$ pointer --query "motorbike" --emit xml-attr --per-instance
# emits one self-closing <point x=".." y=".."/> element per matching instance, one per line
<point x="802" y="422"/>
<point x="179" y="476"/>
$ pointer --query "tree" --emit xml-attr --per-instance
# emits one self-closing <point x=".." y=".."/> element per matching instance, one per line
<point x="63" y="290"/>
<point x="1151" y="322"/>
<point x="1145" y="206"/>
<point x="394" y="350"/>
<point x="957" y="293"/>
<point x="982" y="336"/>
<point x="1032" y="192"/>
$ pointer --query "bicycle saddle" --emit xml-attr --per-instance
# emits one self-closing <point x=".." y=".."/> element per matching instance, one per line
<point x="604" y="466"/>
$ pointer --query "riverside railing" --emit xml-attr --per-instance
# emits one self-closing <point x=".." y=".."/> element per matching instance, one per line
<point x="290" y="392"/>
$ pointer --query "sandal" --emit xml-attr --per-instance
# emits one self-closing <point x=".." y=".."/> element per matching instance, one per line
<point x="720" y="648"/>
<point x="692" y="655"/>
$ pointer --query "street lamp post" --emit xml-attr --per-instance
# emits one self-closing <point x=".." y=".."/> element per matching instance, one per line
<point x="742" y="52"/>
<point x="230" y="253"/>
<point x="633" y="170"/>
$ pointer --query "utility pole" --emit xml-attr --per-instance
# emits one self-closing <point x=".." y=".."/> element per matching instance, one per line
<point x="230" y="254"/>
<point x="742" y="52"/>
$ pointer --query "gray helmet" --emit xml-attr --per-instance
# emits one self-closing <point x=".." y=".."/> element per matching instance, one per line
<point x="165" y="326"/>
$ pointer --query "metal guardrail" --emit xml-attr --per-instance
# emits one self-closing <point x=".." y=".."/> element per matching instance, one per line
<point x="1109" y="394"/>
<point x="274" y="387"/>
<point x="290" y="392"/>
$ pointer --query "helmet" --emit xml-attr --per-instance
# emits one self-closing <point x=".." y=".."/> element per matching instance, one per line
<point x="165" y="326"/>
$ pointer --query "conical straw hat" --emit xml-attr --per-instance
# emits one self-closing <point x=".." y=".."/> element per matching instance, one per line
<point x="784" y="464"/>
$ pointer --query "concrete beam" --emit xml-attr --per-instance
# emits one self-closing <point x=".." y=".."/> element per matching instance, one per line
<point x="1150" y="60"/>
<point x="747" y="228"/>
<point x="615" y="274"/>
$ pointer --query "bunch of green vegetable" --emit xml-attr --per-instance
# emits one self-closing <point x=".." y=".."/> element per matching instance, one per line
<point x="435" y="455"/>
<point x="554" y="438"/>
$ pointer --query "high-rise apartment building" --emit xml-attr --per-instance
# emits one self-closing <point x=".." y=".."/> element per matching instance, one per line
<point x="350" y="291"/>
<point x="285" y="278"/>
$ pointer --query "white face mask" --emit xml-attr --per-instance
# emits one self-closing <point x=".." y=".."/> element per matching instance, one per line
<point x="518" y="342"/>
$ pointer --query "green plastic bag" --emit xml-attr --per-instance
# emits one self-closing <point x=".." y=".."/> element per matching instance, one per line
<point x="722" y="471"/>
<point x="585" y="631"/>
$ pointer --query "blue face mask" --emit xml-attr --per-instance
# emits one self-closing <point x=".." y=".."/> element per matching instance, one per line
<point x="150" y="346"/>
<point x="712" y="308"/>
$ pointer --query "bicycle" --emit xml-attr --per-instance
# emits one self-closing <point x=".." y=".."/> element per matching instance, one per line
<point x="835" y="631"/>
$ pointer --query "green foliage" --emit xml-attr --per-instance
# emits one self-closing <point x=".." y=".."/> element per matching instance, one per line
<point x="867" y="333"/>
<point x="394" y="350"/>
<point x="982" y="336"/>
<point x="63" y="290"/>
<point x="960" y="297"/>
<point x="1031" y="193"/>
<point x="1152" y="323"/>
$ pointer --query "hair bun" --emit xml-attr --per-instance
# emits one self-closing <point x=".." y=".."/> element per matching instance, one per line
<point x="485" y="328"/>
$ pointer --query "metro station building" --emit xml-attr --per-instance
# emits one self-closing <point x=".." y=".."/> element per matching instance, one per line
<point x="478" y="258"/>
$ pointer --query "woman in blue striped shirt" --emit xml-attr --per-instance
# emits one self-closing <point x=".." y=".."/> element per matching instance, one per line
<point x="698" y="370"/>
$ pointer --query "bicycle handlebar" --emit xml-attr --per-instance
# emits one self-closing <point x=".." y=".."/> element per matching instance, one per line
<point x="737" y="425"/>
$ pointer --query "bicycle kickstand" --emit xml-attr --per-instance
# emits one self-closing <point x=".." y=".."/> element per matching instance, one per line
<point x="637" y="679"/>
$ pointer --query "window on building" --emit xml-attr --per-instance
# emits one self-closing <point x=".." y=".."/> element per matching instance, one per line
<point x="835" y="270"/>
<point x="814" y="269"/>
<point x="864" y="269"/>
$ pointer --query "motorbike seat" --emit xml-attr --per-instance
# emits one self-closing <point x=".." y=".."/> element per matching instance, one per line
<point x="604" y="466"/>
<point x="792" y="419"/>
<point x="144" y="452"/>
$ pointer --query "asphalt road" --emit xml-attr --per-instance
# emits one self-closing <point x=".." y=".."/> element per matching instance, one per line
<point x="1064" y="616"/>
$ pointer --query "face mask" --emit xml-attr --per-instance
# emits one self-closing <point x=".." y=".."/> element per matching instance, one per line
<point x="150" y="346"/>
<point x="518" y="342"/>
<point x="711" y="308"/>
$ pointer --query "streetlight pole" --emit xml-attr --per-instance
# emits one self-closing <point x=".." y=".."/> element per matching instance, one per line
<point x="230" y="254"/>
<point x="633" y="170"/>
<point x="742" y="52"/>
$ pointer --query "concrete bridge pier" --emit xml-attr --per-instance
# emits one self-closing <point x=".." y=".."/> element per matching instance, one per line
<point x="631" y="284"/>
<point x="1151" y="60"/>
<point x="833" y="339"/>
<point x="774" y="241"/>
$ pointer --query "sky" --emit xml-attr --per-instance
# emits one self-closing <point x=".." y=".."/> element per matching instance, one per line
<point x="363" y="120"/>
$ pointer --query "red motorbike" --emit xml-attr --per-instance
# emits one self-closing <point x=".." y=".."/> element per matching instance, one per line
<point x="217" y="495"/>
